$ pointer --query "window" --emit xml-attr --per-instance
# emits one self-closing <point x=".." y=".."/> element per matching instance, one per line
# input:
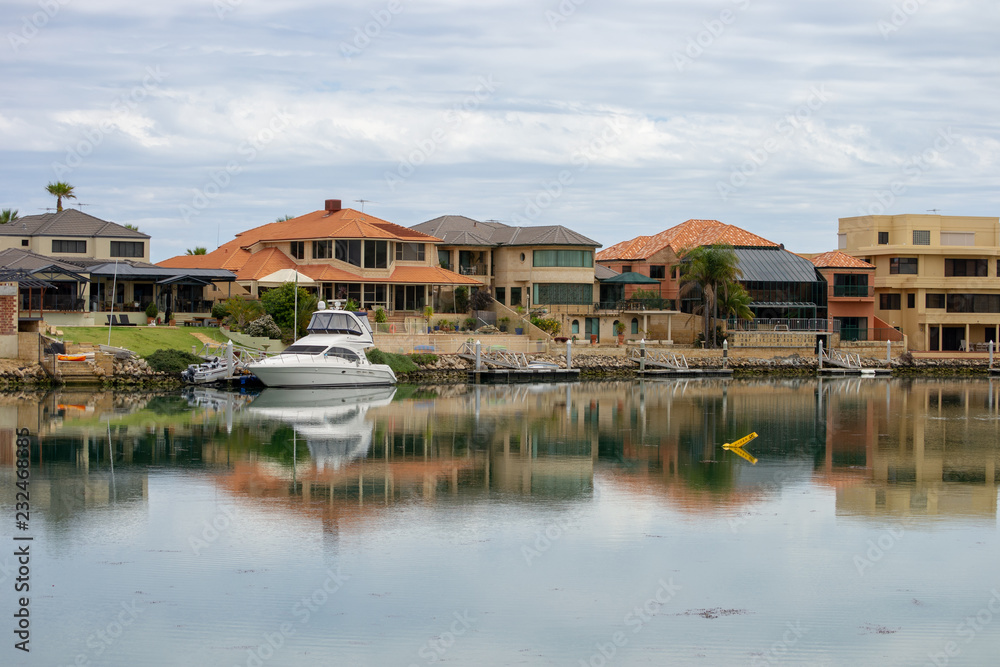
<point x="69" y="246"/>
<point x="958" y="238"/>
<point x="911" y="300"/>
<point x="934" y="301"/>
<point x="298" y="249"/>
<point x="323" y="249"/>
<point x="888" y="301"/>
<point x="973" y="303"/>
<point x="635" y="325"/>
<point x="376" y="254"/>
<point x="566" y="258"/>
<point x="626" y="268"/>
<point x="348" y="251"/>
<point x="563" y="293"/>
<point x="841" y="241"/>
<point x="673" y="272"/>
<point x="921" y="237"/>
<point x="657" y="271"/>
<point x="883" y="238"/>
<point x="409" y="252"/>
<point x="515" y="296"/>
<point x="444" y="259"/>
<point x="575" y="327"/>
<point x="903" y="265"/>
<point x="500" y="294"/>
<point x="850" y="284"/>
<point x="25" y="242"/>
<point x="965" y="267"/>
<point x="126" y="248"/>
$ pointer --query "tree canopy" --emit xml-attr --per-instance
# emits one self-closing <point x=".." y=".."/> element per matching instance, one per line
<point x="197" y="251"/>
<point x="8" y="215"/>
<point x="279" y="303"/>
<point x="710" y="268"/>
<point x="60" y="190"/>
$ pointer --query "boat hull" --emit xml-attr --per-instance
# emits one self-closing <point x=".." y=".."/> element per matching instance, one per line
<point x="318" y="375"/>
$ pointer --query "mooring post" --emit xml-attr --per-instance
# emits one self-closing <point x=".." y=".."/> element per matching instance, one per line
<point x="991" y="354"/>
<point x="479" y="356"/>
<point x="229" y="358"/>
<point x="642" y="354"/>
<point x="888" y="352"/>
<point x="569" y="354"/>
<point x="821" y="354"/>
<point x="725" y="354"/>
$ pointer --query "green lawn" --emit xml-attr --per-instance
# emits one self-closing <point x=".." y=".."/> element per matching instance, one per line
<point x="143" y="340"/>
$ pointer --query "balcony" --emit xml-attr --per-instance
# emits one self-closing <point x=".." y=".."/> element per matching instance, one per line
<point x="855" y="291"/>
<point x="473" y="270"/>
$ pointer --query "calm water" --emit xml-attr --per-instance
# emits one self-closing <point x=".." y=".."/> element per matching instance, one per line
<point x="594" y="523"/>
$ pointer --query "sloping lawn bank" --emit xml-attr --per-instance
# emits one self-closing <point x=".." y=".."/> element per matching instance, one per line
<point x="143" y="340"/>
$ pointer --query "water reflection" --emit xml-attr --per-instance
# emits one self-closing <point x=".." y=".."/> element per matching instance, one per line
<point x="917" y="447"/>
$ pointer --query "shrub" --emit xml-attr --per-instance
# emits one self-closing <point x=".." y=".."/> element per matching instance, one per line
<point x="399" y="363"/>
<point x="423" y="359"/>
<point x="263" y="326"/>
<point x="461" y="299"/>
<point x="171" y="361"/>
<point x="151" y="310"/>
<point x="549" y="326"/>
<point x="240" y="311"/>
<point x="480" y="300"/>
<point x="470" y="323"/>
<point x="380" y="316"/>
<point x="219" y="310"/>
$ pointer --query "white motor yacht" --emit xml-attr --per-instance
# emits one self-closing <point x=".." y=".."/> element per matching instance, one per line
<point x="331" y="355"/>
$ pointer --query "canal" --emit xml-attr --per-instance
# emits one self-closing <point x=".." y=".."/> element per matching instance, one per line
<point x="593" y="523"/>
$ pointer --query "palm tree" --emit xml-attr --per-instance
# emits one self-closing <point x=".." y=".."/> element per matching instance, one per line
<point x="735" y="301"/>
<point x="59" y="190"/>
<point x="284" y="218"/>
<point x="709" y="268"/>
<point x="134" y="228"/>
<point x="197" y="251"/>
<point x="8" y="215"/>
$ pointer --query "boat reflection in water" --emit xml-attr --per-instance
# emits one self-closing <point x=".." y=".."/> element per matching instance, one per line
<point x="331" y="420"/>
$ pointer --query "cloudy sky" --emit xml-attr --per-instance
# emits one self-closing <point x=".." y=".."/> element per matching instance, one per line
<point x="195" y="119"/>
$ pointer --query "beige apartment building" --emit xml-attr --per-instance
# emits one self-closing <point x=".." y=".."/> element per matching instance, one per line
<point x="936" y="277"/>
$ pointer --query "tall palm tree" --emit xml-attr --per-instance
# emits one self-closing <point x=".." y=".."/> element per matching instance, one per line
<point x="60" y="190"/>
<point x="709" y="268"/>
<point x="8" y="215"/>
<point x="735" y="301"/>
<point x="197" y="251"/>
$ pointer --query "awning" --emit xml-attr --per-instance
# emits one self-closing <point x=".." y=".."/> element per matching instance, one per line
<point x="631" y="278"/>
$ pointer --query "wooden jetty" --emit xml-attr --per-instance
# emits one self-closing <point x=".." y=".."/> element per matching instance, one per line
<point x="509" y="367"/>
<point x="667" y="364"/>
<point x="837" y="363"/>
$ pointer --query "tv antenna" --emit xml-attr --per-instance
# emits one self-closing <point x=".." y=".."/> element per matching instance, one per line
<point x="363" y="202"/>
<point x="933" y="210"/>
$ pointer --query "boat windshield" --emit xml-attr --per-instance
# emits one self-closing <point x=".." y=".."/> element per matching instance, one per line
<point x="336" y="323"/>
<point x="304" y="349"/>
<point x="343" y="353"/>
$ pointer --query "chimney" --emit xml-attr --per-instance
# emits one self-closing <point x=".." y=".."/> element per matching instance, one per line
<point x="332" y="205"/>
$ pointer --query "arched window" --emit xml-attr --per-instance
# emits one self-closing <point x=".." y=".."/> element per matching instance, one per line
<point x="576" y="326"/>
<point x="635" y="325"/>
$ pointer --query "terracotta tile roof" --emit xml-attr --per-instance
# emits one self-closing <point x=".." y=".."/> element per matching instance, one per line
<point x="839" y="260"/>
<point x="429" y="275"/>
<point x="689" y="234"/>
<point x="264" y="263"/>
<point x="190" y="262"/>
<point x="346" y="223"/>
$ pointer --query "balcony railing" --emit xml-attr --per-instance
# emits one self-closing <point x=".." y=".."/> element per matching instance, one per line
<point x="852" y="290"/>
<point x="636" y="304"/>
<point x="881" y="334"/>
<point x="784" y="324"/>
<point x="473" y="270"/>
<point x="51" y="302"/>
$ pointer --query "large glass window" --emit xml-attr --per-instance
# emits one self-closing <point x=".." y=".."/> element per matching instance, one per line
<point x="323" y="249"/>
<point x="409" y="252"/>
<point x="444" y="258"/>
<point x="562" y="293"/>
<point x="567" y="258"/>
<point x="906" y="265"/>
<point x="934" y="300"/>
<point x="850" y="284"/>
<point x="376" y="254"/>
<point x="973" y="303"/>
<point x="298" y="249"/>
<point x="409" y="297"/>
<point x="348" y="251"/>
<point x="500" y="294"/>
<point x="515" y="297"/>
<point x="126" y="248"/>
<point x="68" y="246"/>
<point x="657" y="271"/>
<point x="965" y="267"/>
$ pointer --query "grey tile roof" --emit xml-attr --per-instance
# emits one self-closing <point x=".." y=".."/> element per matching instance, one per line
<point x="774" y="265"/>
<point x="70" y="222"/>
<point x="15" y="258"/>
<point x="602" y="272"/>
<point x="458" y="229"/>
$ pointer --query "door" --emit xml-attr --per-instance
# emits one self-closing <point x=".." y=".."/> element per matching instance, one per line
<point x="593" y="327"/>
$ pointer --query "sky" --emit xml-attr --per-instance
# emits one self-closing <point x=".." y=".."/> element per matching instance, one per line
<point x="197" y="119"/>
